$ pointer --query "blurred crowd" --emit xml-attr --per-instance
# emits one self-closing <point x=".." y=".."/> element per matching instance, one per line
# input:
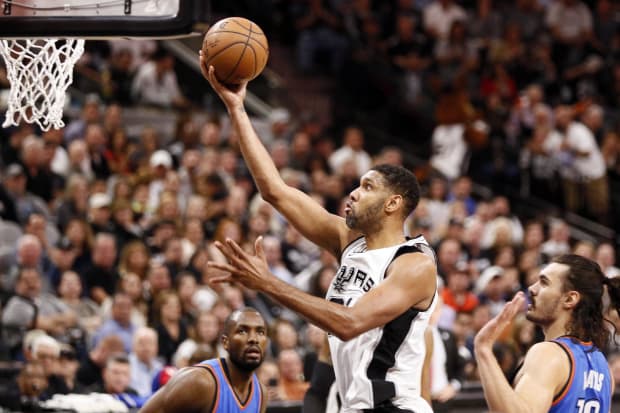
<point x="104" y="236"/>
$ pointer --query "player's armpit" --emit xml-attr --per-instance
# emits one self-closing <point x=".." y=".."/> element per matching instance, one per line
<point x="192" y="389"/>
<point x="410" y="282"/>
<point x="538" y="386"/>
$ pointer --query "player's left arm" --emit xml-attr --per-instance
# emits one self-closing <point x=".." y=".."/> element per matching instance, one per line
<point x="410" y="282"/>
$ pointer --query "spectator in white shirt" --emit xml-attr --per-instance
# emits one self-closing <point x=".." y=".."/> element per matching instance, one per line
<point x="156" y="83"/>
<point x="352" y="149"/>
<point x="143" y="361"/>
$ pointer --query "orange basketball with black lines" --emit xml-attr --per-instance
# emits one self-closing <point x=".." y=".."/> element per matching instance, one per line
<point x="237" y="48"/>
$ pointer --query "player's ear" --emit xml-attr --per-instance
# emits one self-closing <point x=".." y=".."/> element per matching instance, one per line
<point x="224" y="340"/>
<point x="571" y="299"/>
<point x="393" y="203"/>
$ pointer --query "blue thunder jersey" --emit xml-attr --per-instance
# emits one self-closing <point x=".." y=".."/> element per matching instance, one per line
<point x="226" y="400"/>
<point x="588" y="389"/>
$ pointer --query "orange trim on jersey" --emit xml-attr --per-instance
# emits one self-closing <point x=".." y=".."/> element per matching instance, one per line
<point x="250" y="396"/>
<point x="566" y="388"/>
<point x="217" y="385"/>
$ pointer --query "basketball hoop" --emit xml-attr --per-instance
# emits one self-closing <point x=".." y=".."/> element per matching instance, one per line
<point x="39" y="71"/>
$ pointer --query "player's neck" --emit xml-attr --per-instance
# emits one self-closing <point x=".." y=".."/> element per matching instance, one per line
<point x="555" y="330"/>
<point x="386" y="237"/>
<point x="239" y="380"/>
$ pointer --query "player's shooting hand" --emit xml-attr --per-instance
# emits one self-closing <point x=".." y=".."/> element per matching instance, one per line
<point x="232" y="95"/>
<point x="488" y="334"/>
<point x="250" y="270"/>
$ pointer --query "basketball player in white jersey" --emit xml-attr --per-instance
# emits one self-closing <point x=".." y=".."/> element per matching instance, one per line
<point x="380" y="300"/>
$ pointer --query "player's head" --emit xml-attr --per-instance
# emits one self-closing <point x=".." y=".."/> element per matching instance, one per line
<point x="384" y="189"/>
<point x="245" y="339"/>
<point x="573" y="285"/>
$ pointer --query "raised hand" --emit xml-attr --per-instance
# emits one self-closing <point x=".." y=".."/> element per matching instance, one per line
<point x="488" y="334"/>
<point x="232" y="95"/>
<point x="251" y="270"/>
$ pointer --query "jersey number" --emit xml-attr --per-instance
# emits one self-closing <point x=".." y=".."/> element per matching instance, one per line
<point x="590" y="406"/>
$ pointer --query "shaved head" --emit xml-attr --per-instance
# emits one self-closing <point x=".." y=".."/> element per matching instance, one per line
<point x="234" y="317"/>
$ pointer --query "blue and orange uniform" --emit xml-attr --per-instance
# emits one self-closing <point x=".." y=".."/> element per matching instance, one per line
<point x="226" y="401"/>
<point x="589" y="387"/>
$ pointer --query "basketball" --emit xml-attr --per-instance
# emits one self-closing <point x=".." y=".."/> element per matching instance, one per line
<point x="237" y="48"/>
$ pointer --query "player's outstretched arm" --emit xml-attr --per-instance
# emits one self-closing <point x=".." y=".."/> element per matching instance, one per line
<point x="311" y="220"/>
<point x="410" y="283"/>
<point x="535" y="386"/>
<point x="191" y="390"/>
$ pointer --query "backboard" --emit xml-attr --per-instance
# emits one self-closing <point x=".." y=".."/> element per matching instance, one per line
<point x="101" y="18"/>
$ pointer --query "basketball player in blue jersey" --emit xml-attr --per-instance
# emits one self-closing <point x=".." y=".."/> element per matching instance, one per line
<point x="227" y="385"/>
<point x="566" y="373"/>
<point x="380" y="300"/>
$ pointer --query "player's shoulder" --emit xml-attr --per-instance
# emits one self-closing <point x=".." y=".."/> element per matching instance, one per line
<point x="194" y="380"/>
<point x="548" y="353"/>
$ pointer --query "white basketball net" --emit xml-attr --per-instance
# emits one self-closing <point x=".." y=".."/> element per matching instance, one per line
<point x="39" y="70"/>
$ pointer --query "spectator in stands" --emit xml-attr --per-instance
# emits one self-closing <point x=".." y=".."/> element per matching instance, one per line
<point x="68" y="366"/>
<point x="91" y="113"/>
<point x="160" y="163"/>
<point x="171" y="329"/>
<point x="204" y="335"/>
<point x="116" y="376"/>
<point x="29" y="308"/>
<point x="39" y="181"/>
<point x="46" y="350"/>
<point x="606" y="258"/>
<point x="90" y="371"/>
<point x="156" y="84"/>
<point x="87" y="311"/>
<point x="292" y="382"/>
<point x="558" y="242"/>
<point x="74" y="203"/>
<point x="32" y="387"/>
<point x="449" y="255"/>
<point x="99" y="213"/>
<point x="28" y="254"/>
<point x="79" y="233"/>
<point x="318" y="27"/>
<point x="284" y="336"/>
<point x="352" y="149"/>
<point x="116" y="82"/>
<point x="490" y="288"/>
<point x="461" y="191"/>
<point x="14" y="181"/>
<point x="583" y="168"/>
<point x="143" y="361"/>
<point x="102" y="276"/>
<point x="158" y="280"/>
<point x="118" y="152"/>
<point x="186" y="287"/>
<point x="439" y="16"/>
<point x="537" y="156"/>
<point x="62" y="256"/>
<point x="269" y="376"/>
<point x="119" y="324"/>
<point x="570" y="25"/>
<point x="456" y="293"/>
<point x="409" y="52"/>
<point x="79" y="160"/>
<point x="96" y="143"/>
<point x="585" y="249"/>
<point x="134" y="258"/>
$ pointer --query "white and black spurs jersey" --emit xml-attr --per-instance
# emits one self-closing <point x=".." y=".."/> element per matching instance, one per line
<point x="382" y="366"/>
